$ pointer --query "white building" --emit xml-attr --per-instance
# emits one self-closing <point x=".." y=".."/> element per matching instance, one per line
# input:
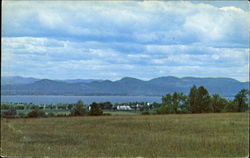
<point x="124" y="107"/>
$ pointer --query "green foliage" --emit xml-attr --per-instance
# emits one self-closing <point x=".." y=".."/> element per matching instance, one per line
<point x="163" y="110"/>
<point x="192" y="99"/>
<point x="199" y="100"/>
<point x="51" y="114"/>
<point x="230" y="107"/>
<point x="241" y="100"/>
<point x="95" y="109"/>
<point x="218" y="103"/>
<point x="10" y="113"/>
<point x="145" y="113"/>
<point x="203" y="100"/>
<point x="106" y="114"/>
<point x="78" y="109"/>
<point x="36" y="113"/>
<point x="106" y="105"/>
<point x="172" y="103"/>
<point x="22" y="115"/>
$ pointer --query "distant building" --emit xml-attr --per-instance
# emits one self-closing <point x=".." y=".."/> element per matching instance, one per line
<point x="124" y="107"/>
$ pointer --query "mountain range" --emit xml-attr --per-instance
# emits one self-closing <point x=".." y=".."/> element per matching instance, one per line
<point x="126" y="86"/>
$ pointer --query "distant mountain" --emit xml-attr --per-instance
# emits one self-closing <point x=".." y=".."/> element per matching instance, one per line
<point x="80" y="80"/>
<point x="126" y="86"/>
<point x="10" y="80"/>
<point x="17" y="80"/>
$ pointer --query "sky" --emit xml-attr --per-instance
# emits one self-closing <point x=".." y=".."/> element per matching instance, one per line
<point x="115" y="39"/>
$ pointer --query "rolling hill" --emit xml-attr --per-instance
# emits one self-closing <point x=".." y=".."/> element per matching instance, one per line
<point x="126" y="86"/>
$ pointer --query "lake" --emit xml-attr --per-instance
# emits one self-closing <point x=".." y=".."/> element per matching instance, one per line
<point x="49" y="99"/>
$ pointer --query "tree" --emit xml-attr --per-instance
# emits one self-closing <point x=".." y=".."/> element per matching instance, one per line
<point x="172" y="103"/>
<point x="231" y="107"/>
<point x="241" y="99"/>
<point x="192" y="99"/>
<point x="166" y="106"/>
<point x="106" y="105"/>
<point x="218" y="103"/>
<point x="203" y="100"/>
<point x="163" y="110"/>
<point x="95" y="109"/>
<point x="78" y="109"/>
<point x="199" y="100"/>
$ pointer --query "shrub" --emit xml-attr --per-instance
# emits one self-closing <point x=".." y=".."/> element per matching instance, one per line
<point x="78" y="109"/>
<point x="36" y="113"/>
<point x="10" y="113"/>
<point x="145" y="113"/>
<point x="106" y="114"/>
<point x="95" y="109"/>
<point x="163" y="110"/>
<point x="61" y="115"/>
<point x="20" y="114"/>
<point x="51" y="114"/>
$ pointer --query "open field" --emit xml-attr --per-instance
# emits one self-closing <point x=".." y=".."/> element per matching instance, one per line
<point x="223" y="134"/>
<point x="121" y="113"/>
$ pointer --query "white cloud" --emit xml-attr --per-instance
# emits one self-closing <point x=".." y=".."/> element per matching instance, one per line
<point x="116" y="39"/>
<point x="145" y="21"/>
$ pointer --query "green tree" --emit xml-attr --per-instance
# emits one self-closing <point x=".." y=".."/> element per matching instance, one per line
<point x="218" y="103"/>
<point x="163" y="110"/>
<point x="78" y="109"/>
<point x="95" y="109"/>
<point x="172" y="103"/>
<point x="182" y="102"/>
<point x="106" y="105"/>
<point x="166" y="106"/>
<point x="199" y="100"/>
<point x="175" y="102"/>
<point x="192" y="99"/>
<point x="241" y="99"/>
<point x="203" y="100"/>
<point x="231" y="107"/>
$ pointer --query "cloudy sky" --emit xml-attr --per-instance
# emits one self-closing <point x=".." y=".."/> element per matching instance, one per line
<point x="112" y="39"/>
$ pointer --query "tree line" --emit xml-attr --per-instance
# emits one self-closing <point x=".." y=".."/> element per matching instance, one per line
<point x="76" y="109"/>
<point x="199" y="101"/>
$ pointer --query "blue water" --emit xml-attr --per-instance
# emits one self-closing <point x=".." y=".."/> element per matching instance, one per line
<point x="48" y="99"/>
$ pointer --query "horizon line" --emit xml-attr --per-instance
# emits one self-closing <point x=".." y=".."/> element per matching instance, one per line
<point x="123" y="78"/>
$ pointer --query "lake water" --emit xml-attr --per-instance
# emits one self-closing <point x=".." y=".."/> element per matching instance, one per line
<point x="44" y="99"/>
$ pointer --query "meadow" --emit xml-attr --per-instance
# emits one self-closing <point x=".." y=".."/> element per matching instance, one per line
<point x="189" y="135"/>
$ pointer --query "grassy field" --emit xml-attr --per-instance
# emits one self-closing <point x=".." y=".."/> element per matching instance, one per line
<point x="121" y="113"/>
<point x="136" y="135"/>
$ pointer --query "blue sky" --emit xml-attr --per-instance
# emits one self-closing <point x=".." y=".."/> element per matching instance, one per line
<point x="114" y="39"/>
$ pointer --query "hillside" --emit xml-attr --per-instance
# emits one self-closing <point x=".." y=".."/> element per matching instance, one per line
<point x="126" y="86"/>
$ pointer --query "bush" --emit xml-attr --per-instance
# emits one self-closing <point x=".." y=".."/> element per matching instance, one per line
<point x="183" y="111"/>
<point x="61" y="115"/>
<point x="95" y="109"/>
<point x="10" y="113"/>
<point x="230" y="107"/>
<point x="36" y="113"/>
<point x="20" y="114"/>
<point x="145" y="113"/>
<point x="78" y="109"/>
<point x="163" y="110"/>
<point x="51" y="114"/>
<point x="106" y="114"/>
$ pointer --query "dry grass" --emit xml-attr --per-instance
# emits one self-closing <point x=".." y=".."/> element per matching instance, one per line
<point x="148" y="136"/>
